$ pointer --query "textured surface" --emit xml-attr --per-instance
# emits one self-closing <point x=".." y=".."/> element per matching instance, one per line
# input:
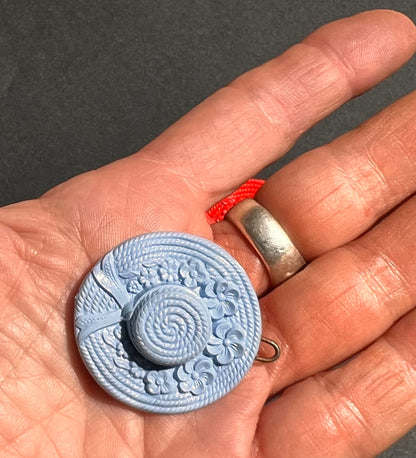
<point x="167" y="322"/>
<point x="83" y="84"/>
<point x="247" y="190"/>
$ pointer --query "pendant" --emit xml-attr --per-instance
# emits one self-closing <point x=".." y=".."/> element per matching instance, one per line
<point x="167" y="322"/>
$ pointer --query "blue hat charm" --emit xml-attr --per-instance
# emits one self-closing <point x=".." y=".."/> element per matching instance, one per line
<point x="167" y="322"/>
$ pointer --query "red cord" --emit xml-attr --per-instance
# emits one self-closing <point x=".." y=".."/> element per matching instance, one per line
<point x="248" y="190"/>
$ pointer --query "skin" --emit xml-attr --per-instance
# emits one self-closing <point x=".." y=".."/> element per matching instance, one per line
<point x="349" y="207"/>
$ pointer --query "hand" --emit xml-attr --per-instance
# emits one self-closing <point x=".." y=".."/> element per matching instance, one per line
<point x="348" y="207"/>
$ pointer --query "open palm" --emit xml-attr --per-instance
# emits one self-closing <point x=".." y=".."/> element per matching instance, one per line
<point x="356" y="297"/>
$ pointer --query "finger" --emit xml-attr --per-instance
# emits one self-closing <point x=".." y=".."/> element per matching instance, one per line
<point x="259" y="116"/>
<point x="358" y="409"/>
<point x="233" y="416"/>
<point x="331" y="195"/>
<point x="344" y="299"/>
<point x="254" y="120"/>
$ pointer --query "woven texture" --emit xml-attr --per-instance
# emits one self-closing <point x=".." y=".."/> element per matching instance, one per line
<point x="167" y="322"/>
<point x="246" y="191"/>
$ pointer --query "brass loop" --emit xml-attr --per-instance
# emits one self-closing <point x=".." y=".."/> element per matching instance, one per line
<point x="276" y="348"/>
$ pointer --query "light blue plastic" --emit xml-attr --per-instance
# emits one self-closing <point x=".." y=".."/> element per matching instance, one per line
<point x="167" y="322"/>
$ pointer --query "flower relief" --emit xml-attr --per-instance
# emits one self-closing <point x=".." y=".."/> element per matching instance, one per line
<point x="148" y="275"/>
<point x="168" y="270"/>
<point x="159" y="382"/>
<point x="227" y="343"/>
<point x="222" y="299"/>
<point x="192" y="272"/>
<point x="143" y="277"/>
<point x="134" y="287"/>
<point x="112" y="337"/>
<point x="136" y="371"/>
<point x="195" y="376"/>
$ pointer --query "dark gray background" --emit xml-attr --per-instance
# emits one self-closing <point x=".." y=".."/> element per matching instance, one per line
<point x="85" y="83"/>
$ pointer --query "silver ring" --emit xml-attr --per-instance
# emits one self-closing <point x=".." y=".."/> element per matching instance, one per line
<point x="280" y="256"/>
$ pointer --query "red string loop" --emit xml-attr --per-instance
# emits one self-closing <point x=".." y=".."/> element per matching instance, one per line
<point x="246" y="191"/>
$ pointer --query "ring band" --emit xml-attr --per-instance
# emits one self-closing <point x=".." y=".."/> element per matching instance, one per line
<point x="280" y="256"/>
